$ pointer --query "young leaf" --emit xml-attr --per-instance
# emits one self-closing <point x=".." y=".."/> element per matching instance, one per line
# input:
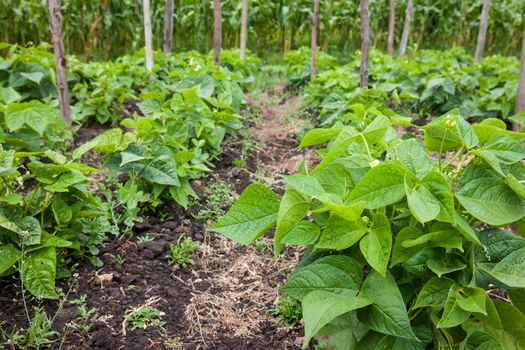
<point x="401" y="253"/>
<point x="337" y="274"/>
<point x="38" y="272"/>
<point x="254" y="213"/>
<point x="388" y="313"/>
<point x="9" y="255"/>
<point x="292" y="209"/>
<point x="412" y="155"/>
<point x="486" y="196"/>
<point x="381" y="186"/>
<point x="446" y="264"/>
<point x="377" y="245"/>
<point x="321" y="307"/>
<point x="434" y="293"/>
<point x="453" y="315"/>
<point x="339" y="234"/>
<point x="302" y="233"/>
<point x="422" y="203"/>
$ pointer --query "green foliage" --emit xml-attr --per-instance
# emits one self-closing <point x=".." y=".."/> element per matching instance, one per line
<point x="289" y="311"/>
<point x="219" y="197"/>
<point x="144" y="317"/>
<point x="404" y="236"/>
<point x="298" y="65"/>
<point x="181" y="254"/>
<point x="426" y="82"/>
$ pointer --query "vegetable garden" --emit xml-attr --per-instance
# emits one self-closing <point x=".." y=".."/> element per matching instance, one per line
<point x="162" y="189"/>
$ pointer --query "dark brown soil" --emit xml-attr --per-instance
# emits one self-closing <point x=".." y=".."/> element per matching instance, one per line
<point x="222" y="302"/>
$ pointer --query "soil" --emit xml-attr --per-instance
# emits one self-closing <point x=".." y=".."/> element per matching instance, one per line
<point x="224" y="301"/>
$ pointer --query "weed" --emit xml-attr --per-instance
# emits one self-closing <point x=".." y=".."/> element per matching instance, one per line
<point x="144" y="239"/>
<point x="261" y="245"/>
<point x="181" y="253"/>
<point x="289" y="311"/>
<point x="121" y="257"/>
<point x="86" y="316"/>
<point x="173" y="343"/>
<point x="144" y="317"/>
<point x="220" y="196"/>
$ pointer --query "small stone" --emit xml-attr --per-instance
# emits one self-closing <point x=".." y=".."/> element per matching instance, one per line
<point x="199" y="237"/>
<point x="155" y="247"/>
<point x="148" y="254"/>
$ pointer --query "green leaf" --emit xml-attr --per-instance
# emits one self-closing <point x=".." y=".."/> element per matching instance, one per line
<point x="34" y="114"/>
<point x="511" y="269"/>
<point x="516" y="185"/>
<point x="306" y="184"/>
<point x="472" y="300"/>
<point x="401" y="253"/>
<point x="453" y="315"/>
<point x="434" y="293"/>
<point x="29" y="230"/>
<point x="251" y="216"/>
<point x="35" y="77"/>
<point x="38" y="273"/>
<point x="9" y="255"/>
<point x="321" y="307"/>
<point x="441" y="235"/>
<point x="61" y="211"/>
<point x="412" y="155"/>
<point x="292" y="209"/>
<point x="439" y="187"/>
<point x="380" y="186"/>
<point x="336" y="273"/>
<point x="446" y="264"/>
<point x="302" y="233"/>
<point x="422" y="203"/>
<point x="388" y="313"/>
<point x="486" y="196"/>
<point x="339" y="234"/>
<point x="376" y="246"/>
<point x="464" y="227"/>
<point x="377" y="129"/>
<point x="9" y="95"/>
<point x="319" y="136"/>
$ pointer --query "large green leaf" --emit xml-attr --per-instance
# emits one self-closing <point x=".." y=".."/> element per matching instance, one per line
<point x="511" y="269"/>
<point x="321" y="307"/>
<point x="453" y="315"/>
<point x="38" y="273"/>
<point x="412" y="155"/>
<point x="377" y="245"/>
<point x="439" y="187"/>
<point x="292" y="209"/>
<point x="336" y="274"/>
<point x="251" y="216"/>
<point x="422" y="203"/>
<point x="339" y="234"/>
<point x="434" y="293"/>
<point x="487" y="197"/>
<point x="388" y="313"/>
<point x="381" y="186"/>
<point x="34" y="114"/>
<point x="9" y="255"/>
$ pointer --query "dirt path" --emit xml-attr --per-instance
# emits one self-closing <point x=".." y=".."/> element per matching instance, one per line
<point x="225" y="300"/>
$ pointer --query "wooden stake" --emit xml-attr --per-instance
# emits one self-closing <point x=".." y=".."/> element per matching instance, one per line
<point x="55" y="21"/>
<point x="244" y="28"/>
<point x="313" y="23"/>
<point x="391" y="27"/>
<point x="147" y="34"/>
<point x="406" y="28"/>
<point x="520" y="97"/>
<point x="365" y="43"/>
<point x="217" y="32"/>
<point x="168" y="27"/>
<point x="482" y="34"/>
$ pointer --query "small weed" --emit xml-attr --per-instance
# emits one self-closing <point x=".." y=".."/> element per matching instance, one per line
<point x="144" y="317"/>
<point x="131" y="287"/>
<point x="289" y="311"/>
<point x="220" y="196"/>
<point x="86" y="317"/>
<point x="173" y="343"/>
<point x="182" y="252"/>
<point x="261" y="245"/>
<point x="121" y="257"/>
<point x="38" y="335"/>
<point x="144" y="239"/>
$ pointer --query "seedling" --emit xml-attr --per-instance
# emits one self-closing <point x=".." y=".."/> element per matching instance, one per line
<point x="289" y="311"/>
<point x="181" y="254"/>
<point x="144" y="317"/>
<point x="145" y="239"/>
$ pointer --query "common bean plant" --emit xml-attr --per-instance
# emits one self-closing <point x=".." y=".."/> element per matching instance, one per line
<point x="412" y="242"/>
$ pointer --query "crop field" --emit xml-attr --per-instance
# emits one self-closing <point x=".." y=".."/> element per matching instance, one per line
<point x="266" y="175"/>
